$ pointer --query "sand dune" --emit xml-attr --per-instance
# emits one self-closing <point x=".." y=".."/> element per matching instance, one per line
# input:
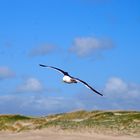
<point x="80" y="125"/>
<point x="45" y="134"/>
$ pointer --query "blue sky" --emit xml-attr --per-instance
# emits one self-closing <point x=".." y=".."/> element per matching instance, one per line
<point x="95" y="40"/>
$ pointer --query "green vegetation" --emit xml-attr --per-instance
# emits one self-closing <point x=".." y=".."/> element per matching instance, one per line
<point x="7" y="121"/>
<point x="118" y="122"/>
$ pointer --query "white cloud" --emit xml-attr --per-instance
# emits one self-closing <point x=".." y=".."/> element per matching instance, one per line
<point x="116" y="87"/>
<point x="30" y="85"/>
<point x="6" y="73"/>
<point x="42" y="50"/>
<point x="86" y="46"/>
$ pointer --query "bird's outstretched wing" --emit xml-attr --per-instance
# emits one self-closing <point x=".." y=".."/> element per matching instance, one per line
<point x="88" y="86"/>
<point x="61" y="71"/>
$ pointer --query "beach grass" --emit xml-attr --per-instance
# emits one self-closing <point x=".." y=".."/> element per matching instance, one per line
<point x="117" y="122"/>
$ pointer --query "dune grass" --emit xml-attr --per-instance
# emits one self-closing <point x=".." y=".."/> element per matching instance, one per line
<point x="121" y="122"/>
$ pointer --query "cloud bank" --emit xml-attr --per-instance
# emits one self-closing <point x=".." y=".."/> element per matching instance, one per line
<point x="86" y="46"/>
<point x="118" y="95"/>
<point x="36" y="105"/>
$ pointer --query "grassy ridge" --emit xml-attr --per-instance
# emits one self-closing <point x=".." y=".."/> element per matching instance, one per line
<point x="118" y="122"/>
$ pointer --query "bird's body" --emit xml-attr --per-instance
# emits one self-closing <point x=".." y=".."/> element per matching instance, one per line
<point x="69" y="79"/>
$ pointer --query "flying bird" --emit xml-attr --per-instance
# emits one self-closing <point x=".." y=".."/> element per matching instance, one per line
<point x="69" y="79"/>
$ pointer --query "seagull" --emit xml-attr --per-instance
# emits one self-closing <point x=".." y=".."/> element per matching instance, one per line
<point x="69" y="79"/>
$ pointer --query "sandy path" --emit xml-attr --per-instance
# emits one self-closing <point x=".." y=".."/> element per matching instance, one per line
<point x="46" y="135"/>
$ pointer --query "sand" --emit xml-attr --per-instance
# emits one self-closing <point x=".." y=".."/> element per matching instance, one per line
<point x="45" y="134"/>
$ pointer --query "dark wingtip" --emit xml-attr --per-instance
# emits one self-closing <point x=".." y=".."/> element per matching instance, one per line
<point x="99" y="93"/>
<point x="42" y="65"/>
